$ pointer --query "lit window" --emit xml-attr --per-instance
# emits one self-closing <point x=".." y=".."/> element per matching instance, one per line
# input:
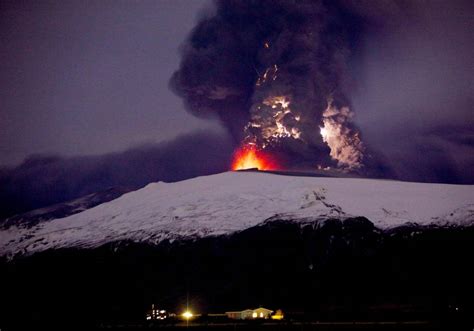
<point x="254" y="315"/>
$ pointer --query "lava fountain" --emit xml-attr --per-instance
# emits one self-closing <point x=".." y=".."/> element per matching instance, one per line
<point x="248" y="157"/>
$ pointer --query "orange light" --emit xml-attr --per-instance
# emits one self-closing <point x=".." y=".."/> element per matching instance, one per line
<point x="248" y="157"/>
<point x="187" y="314"/>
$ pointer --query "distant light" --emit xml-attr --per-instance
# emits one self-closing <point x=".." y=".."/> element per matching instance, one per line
<point x="278" y="315"/>
<point x="187" y="314"/>
<point x="148" y="317"/>
<point x="254" y="315"/>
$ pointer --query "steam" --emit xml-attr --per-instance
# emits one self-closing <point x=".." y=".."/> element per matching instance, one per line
<point x="344" y="142"/>
<point x="275" y="73"/>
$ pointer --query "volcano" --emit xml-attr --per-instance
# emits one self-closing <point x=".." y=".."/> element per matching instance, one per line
<point x="320" y="248"/>
<point x="234" y="201"/>
<point x="249" y="157"/>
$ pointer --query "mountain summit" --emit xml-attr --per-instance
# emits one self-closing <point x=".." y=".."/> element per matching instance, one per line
<point x="234" y="201"/>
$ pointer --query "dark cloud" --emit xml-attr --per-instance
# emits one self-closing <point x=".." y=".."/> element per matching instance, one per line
<point x="404" y="68"/>
<point x="274" y="72"/>
<point x="44" y="180"/>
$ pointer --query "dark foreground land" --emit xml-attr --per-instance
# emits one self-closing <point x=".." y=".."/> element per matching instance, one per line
<point x="295" y="326"/>
<point x="416" y="278"/>
<point x="281" y="326"/>
<point x="298" y="327"/>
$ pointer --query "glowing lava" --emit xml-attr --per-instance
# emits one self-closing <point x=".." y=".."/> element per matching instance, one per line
<point x="248" y="157"/>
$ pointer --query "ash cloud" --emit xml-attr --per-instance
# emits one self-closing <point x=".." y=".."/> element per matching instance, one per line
<point x="403" y="68"/>
<point x="45" y="180"/>
<point x="241" y="61"/>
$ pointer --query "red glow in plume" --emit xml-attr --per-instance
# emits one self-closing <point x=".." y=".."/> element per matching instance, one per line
<point x="248" y="156"/>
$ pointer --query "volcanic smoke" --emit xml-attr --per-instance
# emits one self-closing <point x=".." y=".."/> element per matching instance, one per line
<point x="276" y="74"/>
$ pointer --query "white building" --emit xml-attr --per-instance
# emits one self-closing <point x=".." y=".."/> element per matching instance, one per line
<point x="250" y="314"/>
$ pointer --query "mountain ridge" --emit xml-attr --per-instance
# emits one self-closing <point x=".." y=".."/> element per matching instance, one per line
<point x="234" y="201"/>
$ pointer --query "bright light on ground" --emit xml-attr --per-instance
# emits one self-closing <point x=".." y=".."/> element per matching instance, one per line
<point x="187" y="314"/>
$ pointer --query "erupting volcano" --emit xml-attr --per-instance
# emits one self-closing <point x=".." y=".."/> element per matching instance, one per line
<point x="248" y="157"/>
<point x="274" y="73"/>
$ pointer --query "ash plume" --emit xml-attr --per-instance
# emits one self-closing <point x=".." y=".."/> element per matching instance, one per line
<point x="276" y="73"/>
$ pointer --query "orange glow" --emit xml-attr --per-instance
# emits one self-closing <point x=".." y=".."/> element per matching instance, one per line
<point x="248" y="157"/>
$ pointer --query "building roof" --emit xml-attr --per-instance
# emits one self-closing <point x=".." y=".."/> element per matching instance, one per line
<point x="248" y="310"/>
<point x="261" y="308"/>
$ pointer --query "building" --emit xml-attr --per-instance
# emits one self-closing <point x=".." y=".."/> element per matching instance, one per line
<point x="258" y="313"/>
<point x="156" y="314"/>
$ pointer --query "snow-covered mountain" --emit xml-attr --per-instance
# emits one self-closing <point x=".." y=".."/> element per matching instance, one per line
<point x="61" y="210"/>
<point x="234" y="201"/>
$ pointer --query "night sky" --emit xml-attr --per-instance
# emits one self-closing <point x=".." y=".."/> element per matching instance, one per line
<point x="90" y="77"/>
<point x="86" y="103"/>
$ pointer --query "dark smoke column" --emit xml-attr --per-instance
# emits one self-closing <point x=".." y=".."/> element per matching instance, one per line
<point x="275" y="73"/>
